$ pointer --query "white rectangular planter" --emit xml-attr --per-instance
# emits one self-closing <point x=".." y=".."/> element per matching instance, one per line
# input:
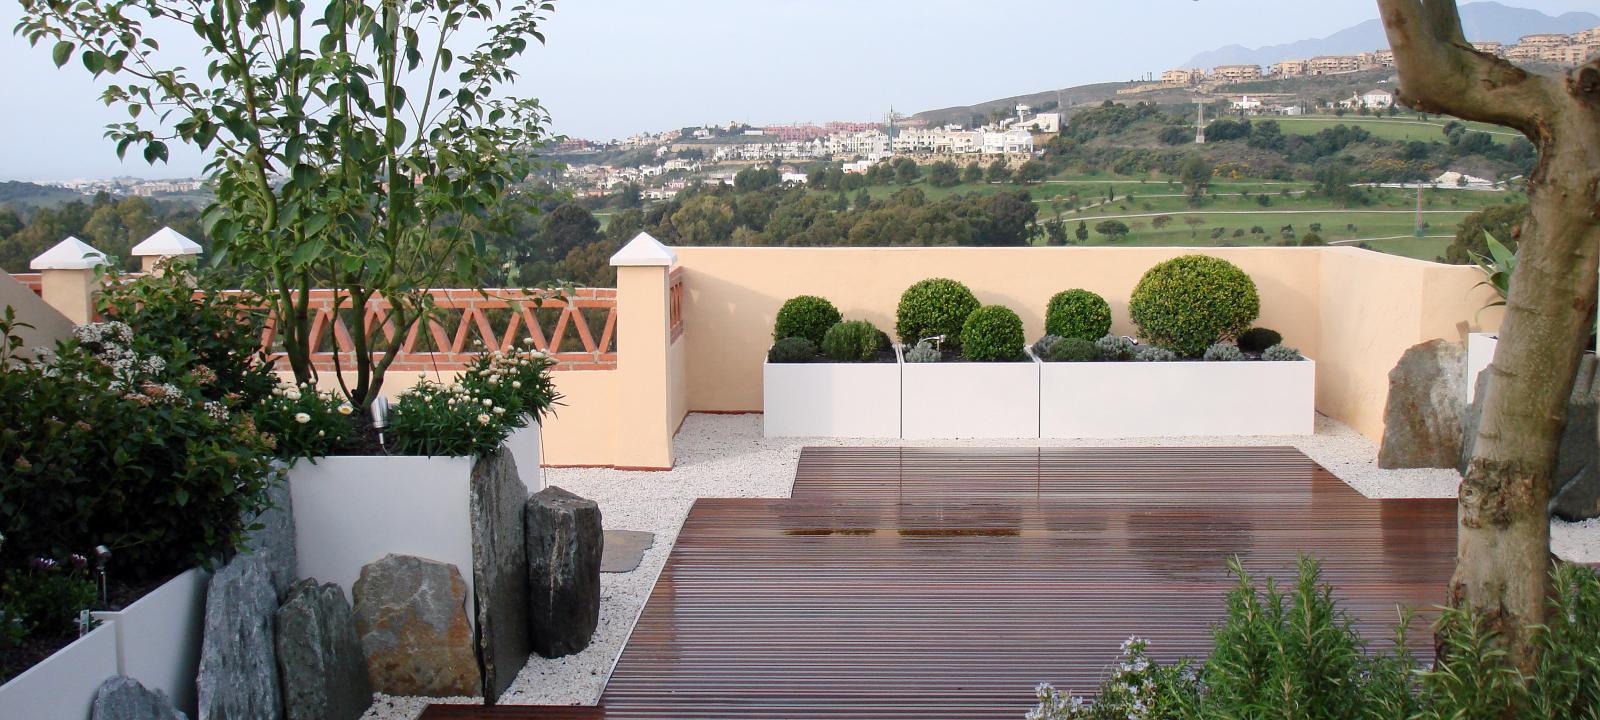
<point x="950" y="400"/>
<point x="1167" y="399"/>
<point x="1480" y="352"/>
<point x="158" y="637"/>
<point x="62" y="686"/>
<point x="838" y="400"/>
<point x="525" y="450"/>
<point x="350" y="511"/>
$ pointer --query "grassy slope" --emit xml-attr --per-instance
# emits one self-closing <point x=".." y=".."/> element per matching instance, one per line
<point x="1386" y="128"/>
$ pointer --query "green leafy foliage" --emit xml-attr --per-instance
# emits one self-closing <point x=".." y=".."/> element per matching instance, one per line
<point x="307" y="423"/>
<point x="1256" y="340"/>
<point x="499" y="393"/>
<point x="1041" y="348"/>
<point x="993" y="334"/>
<point x="932" y="308"/>
<point x="805" y="316"/>
<point x="1078" y="314"/>
<point x="43" y="597"/>
<point x="1497" y="268"/>
<point x="1073" y="350"/>
<point x="792" y="350"/>
<point x="1188" y="303"/>
<point x="852" y="341"/>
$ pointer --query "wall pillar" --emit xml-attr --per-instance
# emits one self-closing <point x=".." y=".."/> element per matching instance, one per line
<point x="165" y="243"/>
<point x="68" y="278"/>
<point x="644" y="425"/>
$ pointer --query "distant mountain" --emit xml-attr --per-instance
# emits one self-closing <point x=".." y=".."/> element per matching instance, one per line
<point x="26" y="194"/>
<point x="1483" y="21"/>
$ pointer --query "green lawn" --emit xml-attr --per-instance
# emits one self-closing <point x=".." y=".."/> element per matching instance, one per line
<point x="1387" y="128"/>
<point x="1388" y="232"/>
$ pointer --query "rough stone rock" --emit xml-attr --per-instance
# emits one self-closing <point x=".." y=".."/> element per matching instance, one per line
<point x="274" y="540"/>
<point x="124" y="698"/>
<point x="565" y="544"/>
<point x="319" y="658"/>
<point x="625" y="550"/>
<point x="1427" y="396"/>
<point x="238" y="677"/>
<point x="1575" y="485"/>
<point x="500" y="570"/>
<point x="411" y="617"/>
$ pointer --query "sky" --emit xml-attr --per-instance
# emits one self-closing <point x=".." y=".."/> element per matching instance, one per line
<point x="611" y="68"/>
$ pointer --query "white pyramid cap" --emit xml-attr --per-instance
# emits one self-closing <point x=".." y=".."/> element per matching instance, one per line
<point x="644" y="251"/>
<point x="69" y="254"/>
<point x="166" y="242"/>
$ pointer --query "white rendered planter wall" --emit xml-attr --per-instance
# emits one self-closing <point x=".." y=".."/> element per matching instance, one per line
<point x="62" y="686"/>
<point x="951" y="400"/>
<point x="1480" y="352"/>
<point x="350" y="511"/>
<point x="839" y="400"/>
<point x="525" y="450"/>
<point x="158" y="637"/>
<point x="1162" y="399"/>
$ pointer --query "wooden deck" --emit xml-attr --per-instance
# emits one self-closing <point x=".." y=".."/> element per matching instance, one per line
<point x="933" y="583"/>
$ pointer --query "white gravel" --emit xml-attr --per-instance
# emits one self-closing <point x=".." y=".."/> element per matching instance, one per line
<point x="726" y="456"/>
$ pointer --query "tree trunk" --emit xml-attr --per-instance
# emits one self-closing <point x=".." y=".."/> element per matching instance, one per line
<point x="1503" y="543"/>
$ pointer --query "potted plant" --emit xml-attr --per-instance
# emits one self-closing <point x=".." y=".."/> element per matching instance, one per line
<point x="1198" y="371"/>
<point x="826" y="377"/>
<point x="968" y="374"/>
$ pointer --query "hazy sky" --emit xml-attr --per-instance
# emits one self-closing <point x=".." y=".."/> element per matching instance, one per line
<point x="615" y="67"/>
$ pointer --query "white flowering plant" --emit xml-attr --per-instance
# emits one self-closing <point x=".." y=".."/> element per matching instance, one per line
<point x="448" y="420"/>
<point x="306" y="422"/>
<point x="517" y="380"/>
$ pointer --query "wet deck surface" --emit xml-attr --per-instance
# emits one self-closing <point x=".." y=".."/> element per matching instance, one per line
<point x="946" y="583"/>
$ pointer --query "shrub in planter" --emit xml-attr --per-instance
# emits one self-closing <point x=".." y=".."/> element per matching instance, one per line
<point x="518" y="381"/>
<point x="307" y="423"/>
<point x="924" y="352"/>
<point x="805" y="316"/>
<point x="932" y="308"/>
<point x="1042" y="347"/>
<point x="1281" y="353"/>
<point x="1073" y="350"/>
<point x="792" y="350"/>
<point x="993" y="334"/>
<point x="1114" y="348"/>
<point x="852" y="341"/>
<point x="1188" y="303"/>
<point x="497" y="394"/>
<point x="1223" y="352"/>
<point x="1256" y="340"/>
<point x="44" y="598"/>
<point x="1078" y="314"/>
<point x="1153" y="353"/>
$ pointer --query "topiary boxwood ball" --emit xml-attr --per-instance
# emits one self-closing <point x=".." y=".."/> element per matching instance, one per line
<point x="939" y="306"/>
<point x="1188" y="303"/>
<point x="851" y="341"/>
<point x="993" y="334"/>
<point x="805" y="316"/>
<point x="1078" y="314"/>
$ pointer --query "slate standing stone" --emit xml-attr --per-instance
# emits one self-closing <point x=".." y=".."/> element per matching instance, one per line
<point x="238" y="677"/>
<point x="123" y="698"/>
<point x="565" y="544"/>
<point x="1575" y="485"/>
<point x="319" y="658"/>
<point x="500" y="570"/>
<point x="412" y="620"/>
<point x="1427" y="397"/>
<point x="274" y="540"/>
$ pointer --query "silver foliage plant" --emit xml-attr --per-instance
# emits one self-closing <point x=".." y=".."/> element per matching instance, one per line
<point x="1281" y="353"/>
<point x="924" y="353"/>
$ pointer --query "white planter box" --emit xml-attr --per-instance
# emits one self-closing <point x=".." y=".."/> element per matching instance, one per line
<point x="837" y="400"/>
<point x="952" y="400"/>
<point x="350" y="511"/>
<point x="62" y="686"/>
<point x="1480" y="352"/>
<point x="1166" y="399"/>
<point x="526" y="448"/>
<point x="158" y="637"/>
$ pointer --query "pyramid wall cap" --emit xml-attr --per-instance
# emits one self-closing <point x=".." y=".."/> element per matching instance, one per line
<point x="69" y="254"/>
<point x="644" y="251"/>
<point x="166" y="242"/>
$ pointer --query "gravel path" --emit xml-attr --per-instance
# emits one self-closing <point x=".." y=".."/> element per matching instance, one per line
<point x="726" y="456"/>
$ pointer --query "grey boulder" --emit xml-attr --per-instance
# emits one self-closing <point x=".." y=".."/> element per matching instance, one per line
<point x="123" y="698"/>
<point x="499" y="570"/>
<point x="319" y="658"/>
<point x="273" y="539"/>
<point x="412" y="620"/>
<point x="1423" y="416"/>
<point x="238" y="665"/>
<point x="565" y="544"/>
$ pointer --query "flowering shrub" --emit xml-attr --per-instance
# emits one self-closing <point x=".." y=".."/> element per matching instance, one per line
<point x="1137" y="688"/>
<point x="518" y="381"/>
<point x="44" y="598"/>
<point x="306" y="423"/>
<point x="447" y="420"/>
<point x="112" y="439"/>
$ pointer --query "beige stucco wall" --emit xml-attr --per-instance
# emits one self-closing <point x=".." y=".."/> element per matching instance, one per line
<point x="678" y="369"/>
<point x="49" y="325"/>
<point x="1353" y="310"/>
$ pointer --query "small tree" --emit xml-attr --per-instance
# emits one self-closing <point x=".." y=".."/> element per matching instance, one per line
<point x="1113" y="230"/>
<point x="356" y="150"/>
<point x="999" y="172"/>
<point x="1082" y="233"/>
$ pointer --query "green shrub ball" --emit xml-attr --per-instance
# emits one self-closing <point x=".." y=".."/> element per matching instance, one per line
<point x="851" y="341"/>
<point x="1188" y="303"/>
<point x="1078" y="314"/>
<point x="934" y="307"/>
<point x="992" y="334"/>
<point x="792" y="350"/>
<point x="1073" y="350"/>
<point x="1258" y="339"/>
<point x="805" y="316"/>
